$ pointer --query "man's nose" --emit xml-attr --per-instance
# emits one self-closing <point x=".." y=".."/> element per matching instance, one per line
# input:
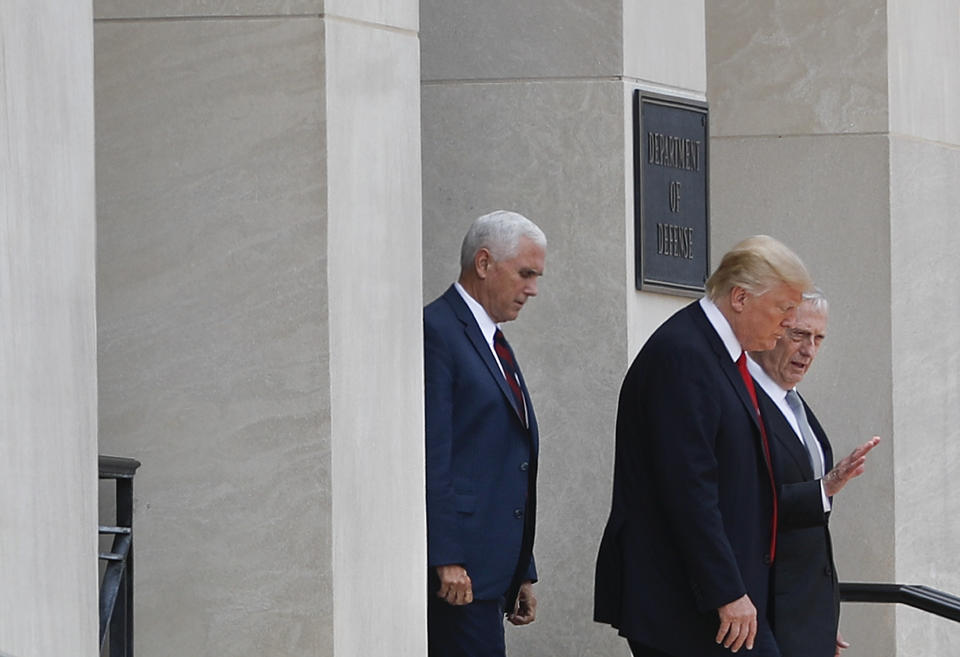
<point x="810" y="346"/>
<point x="530" y="289"/>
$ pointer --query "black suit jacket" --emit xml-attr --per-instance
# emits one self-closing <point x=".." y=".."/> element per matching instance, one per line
<point x="481" y="461"/>
<point x="805" y="607"/>
<point x="689" y="528"/>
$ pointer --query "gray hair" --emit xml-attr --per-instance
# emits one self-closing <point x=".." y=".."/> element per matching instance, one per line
<point x="817" y="301"/>
<point x="500" y="233"/>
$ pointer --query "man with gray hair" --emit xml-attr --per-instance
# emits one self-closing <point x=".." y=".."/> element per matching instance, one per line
<point x="684" y="564"/>
<point x="481" y="444"/>
<point x="806" y="602"/>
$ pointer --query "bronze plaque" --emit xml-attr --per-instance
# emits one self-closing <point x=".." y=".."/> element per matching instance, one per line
<point x="670" y="189"/>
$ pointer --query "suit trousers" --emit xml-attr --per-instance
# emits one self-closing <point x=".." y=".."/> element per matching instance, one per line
<point x="473" y="630"/>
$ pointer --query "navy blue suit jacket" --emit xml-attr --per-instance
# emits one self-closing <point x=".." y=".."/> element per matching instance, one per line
<point x="481" y="461"/>
<point x="805" y="608"/>
<point x="689" y="528"/>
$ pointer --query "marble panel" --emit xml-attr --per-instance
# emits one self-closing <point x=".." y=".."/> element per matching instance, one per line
<point x="48" y="375"/>
<point x="553" y="151"/>
<point x="924" y="75"/>
<point x="828" y="199"/>
<point x="926" y="380"/>
<point x="376" y="339"/>
<point x="646" y="311"/>
<point x="503" y="39"/>
<point x="664" y="42"/>
<point x="113" y="9"/>
<point x="790" y="68"/>
<point x="403" y="14"/>
<point x="213" y="346"/>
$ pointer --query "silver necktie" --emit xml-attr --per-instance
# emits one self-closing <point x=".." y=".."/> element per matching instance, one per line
<point x="810" y="440"/>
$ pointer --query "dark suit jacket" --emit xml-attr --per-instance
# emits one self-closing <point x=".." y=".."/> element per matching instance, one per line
<point x="805" y="607"/>
<point x="689" y="529"/>
<point x="481" y="461"/>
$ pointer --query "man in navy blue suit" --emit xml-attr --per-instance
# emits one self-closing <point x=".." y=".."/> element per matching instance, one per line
<point x="684" y="564"/>
<point x="805" y="603"/>
<point x="481" y="444"/>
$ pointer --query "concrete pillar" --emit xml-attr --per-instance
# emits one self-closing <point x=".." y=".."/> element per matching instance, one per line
<point x="258" y="177"/>
<point x="924" y="84"/>
<point x="831" y="130"/>
<point x="48" y="383"/>
<point x="527" y="106"/>
<point x="375" y="323"/>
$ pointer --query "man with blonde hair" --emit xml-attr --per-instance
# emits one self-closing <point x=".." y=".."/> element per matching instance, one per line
<point x="684" y="564"/>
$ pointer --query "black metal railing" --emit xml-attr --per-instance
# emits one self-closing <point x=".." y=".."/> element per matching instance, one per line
<point x="930" y="600"/>
<point x="116" y="587"/>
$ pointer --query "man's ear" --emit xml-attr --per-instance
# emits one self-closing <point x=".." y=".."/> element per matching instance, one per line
<point x="481" y="262"/>
<point x="738" y="298"/>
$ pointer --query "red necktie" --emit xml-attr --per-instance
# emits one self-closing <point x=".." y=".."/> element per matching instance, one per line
<point x="748" y="381"/>
<point x="505" y="354"/>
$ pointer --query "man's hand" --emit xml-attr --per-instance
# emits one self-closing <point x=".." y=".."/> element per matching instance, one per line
<point x="841" y="644"/>
<point x="525" y="610"/>
<point x="455" y="585"/>
<point x="738" y="624"/>
<point x="850" y="467"/>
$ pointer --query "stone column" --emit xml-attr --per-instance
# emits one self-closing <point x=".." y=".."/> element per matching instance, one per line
<point x="260" y="327"/>
<point x="375" y="324"/>
<point x="528" y="106"/>
<point x="924" y="87"/>
<point x="832" y="129"/>
<point x="48" y="382"/>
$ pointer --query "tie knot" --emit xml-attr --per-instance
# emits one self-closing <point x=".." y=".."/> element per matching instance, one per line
<point x="793" y="399"/>
<point x="742" y="366"/>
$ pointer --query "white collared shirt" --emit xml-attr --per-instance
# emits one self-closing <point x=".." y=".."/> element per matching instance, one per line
<point x="779" y="397"/>
<point x="487" y="326"/>
<point x="722" y="327"/>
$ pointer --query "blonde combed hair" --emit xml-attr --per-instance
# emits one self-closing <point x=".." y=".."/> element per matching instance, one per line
<point x="758" y="264"/>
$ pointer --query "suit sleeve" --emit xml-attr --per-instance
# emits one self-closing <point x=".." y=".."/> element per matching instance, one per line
<point x="531" y="575"/>
<point x="443" y="544"/>
<point x="683" y="420"/>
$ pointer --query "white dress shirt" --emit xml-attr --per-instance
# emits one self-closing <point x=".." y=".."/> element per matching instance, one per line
<point x="722" y="327"/>
<point x="779" y="397"/>
<point x="487" y="326"/>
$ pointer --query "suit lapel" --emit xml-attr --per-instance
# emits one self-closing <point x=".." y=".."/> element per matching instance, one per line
<point x="531" y="417"/>
<point x="783" y="434"/>
<point x="729" y="368"/>
<point x="732" y="372"/>
<point x="821" y="437"/>
<point x="473" y="333"/>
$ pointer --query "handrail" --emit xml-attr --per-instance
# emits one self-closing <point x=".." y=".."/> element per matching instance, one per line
<point x="928" y="599"/>
<point x="117" y="467"/>
<point x="116" y="588"/>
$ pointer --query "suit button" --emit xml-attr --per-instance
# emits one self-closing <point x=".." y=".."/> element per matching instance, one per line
<point x="766" y="560"/>
<point x="524" y="466"/>
<point x="517" y="513"/>
<point x="826" y="571"/>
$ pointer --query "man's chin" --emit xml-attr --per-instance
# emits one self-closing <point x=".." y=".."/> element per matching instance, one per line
<point x="764" y="345"/>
